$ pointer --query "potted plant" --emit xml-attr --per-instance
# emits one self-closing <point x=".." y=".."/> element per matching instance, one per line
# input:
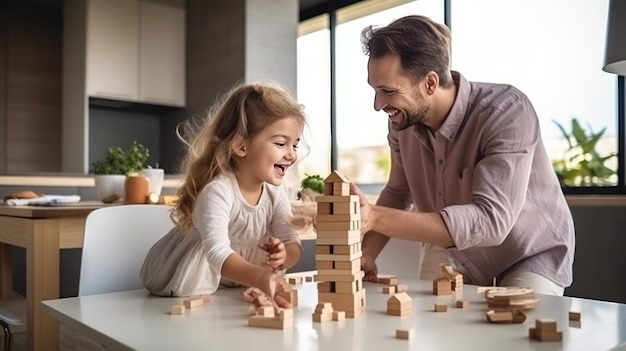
<point x="312" y="186"/>
<point x="582" y="164"/>
<point x="111" y="172"/>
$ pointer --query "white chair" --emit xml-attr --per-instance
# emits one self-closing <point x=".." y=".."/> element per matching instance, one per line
<point x="8" y="318"/>
<point x="117" y="239"/>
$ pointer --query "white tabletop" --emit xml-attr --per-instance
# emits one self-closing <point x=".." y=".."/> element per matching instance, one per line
<point x="134" y="320"/>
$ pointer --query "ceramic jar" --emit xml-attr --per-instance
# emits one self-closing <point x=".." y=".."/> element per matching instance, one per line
<point x="137" y="188"/>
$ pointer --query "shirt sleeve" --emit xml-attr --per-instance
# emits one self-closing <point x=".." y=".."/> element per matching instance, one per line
<point x="500" y="178"/>
<point x="280" y="225"/>
<point x="211" y="217"/>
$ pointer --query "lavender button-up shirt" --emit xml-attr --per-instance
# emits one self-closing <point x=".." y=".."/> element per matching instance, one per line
<point x="486" y="171"/>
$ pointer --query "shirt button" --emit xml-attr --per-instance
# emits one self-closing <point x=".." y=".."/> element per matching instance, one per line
<point x="440" y="161"/>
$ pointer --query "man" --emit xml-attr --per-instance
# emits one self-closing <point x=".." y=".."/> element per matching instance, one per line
<point x="469" y="171"/>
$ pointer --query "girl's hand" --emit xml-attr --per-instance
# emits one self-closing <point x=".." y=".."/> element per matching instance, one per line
<point x="276" y="253"/>
<point x="269" y="284"/>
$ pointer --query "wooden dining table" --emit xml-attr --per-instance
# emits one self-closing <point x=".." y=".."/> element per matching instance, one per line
<point x="43" y="231"/>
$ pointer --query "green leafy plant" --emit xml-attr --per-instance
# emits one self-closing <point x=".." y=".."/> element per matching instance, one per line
<point x="314" y="182"/>
<point x="120" y="161"/>
<point x="582" y="165"/>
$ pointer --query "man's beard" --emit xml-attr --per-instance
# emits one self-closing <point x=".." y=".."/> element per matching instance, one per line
<point x="416" y="115"/>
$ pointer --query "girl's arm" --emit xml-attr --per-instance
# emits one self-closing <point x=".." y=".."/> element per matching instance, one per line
<point x="237" y="269"/>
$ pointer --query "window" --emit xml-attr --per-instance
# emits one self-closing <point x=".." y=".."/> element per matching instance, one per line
<point x="552" y="51"/>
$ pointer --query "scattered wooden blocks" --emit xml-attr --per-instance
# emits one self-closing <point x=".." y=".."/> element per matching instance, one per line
<point x="441" y="307"/>
<point x="511" y="298"/>
<point x="442" y="286"/>
<point x="545" y="330"/>
<point x="178" y="309"/>
<point x="462" y="303"/>
<point x="323" y="312"/>
<point x="574" y="316"/>
<point x="405" y="334"/>
<point x="388" y="279"/>
<point x="283" y="320"/>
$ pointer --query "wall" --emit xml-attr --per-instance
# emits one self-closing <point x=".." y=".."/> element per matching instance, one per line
<point x="30" y="93"/>
<point x="600" y="259"/>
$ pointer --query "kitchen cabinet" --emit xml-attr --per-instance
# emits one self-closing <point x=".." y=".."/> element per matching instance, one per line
<point x="135" y="51"/>
<point x="122" y="53"/>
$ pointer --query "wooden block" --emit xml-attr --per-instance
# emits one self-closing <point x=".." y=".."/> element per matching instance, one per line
<point x="322" y="249"/>
<point x="549" y="336"/>
<point x="269" y="322"/>
<point x="193" y="302"/>
<point x="341" y="189"/>
<point x="402" y="288"/>
<point x="499" y="317"/>
<point x="389" y="289"/>
<point x="332" y="226"/>
<point x="324" y="208"/>
<point x="441" y="307"/>
<point x="339" y="240"/>
<point x="177" y="309"/>
<point x="545" y="325"/>
<point x="387" y="279"/>
<point x="335" y="272"/>
<point x="343" y="249"/>
<point x="321" y="265"/>
<point x="346" y="208"/>
<point x="462" y="303"/>
<point x="308" y="278"/>
<point x="322" y="317"/>
<point x="405" y="333"/>
<point x="346" y="217"/>
<point x="337" y="199"/>
<point x="343" y="302"/>
<point x="339" y="315"/>
<point x="348" y="287"/>
<point x="519" y="316"/>
<point x="323" y="307"/>
<point x="326" y="287"/>
<point x="265" y="311"/>
<point x="341" y="278"/>
<point x="574" y="316"/>
<point x="352" y="266"/>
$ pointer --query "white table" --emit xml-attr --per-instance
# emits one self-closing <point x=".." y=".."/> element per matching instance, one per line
<point x="134" y="320"/>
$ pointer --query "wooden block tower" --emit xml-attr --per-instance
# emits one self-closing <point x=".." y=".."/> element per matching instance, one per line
<point x="338" y="247"/>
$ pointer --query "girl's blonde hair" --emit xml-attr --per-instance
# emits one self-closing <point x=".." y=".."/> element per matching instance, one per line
<point x="240" y="114"/>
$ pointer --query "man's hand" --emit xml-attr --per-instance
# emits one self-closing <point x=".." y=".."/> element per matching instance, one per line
<point x="366" y="224"/>
<point x="276" y="253"/>
<point x="368" y="265"/>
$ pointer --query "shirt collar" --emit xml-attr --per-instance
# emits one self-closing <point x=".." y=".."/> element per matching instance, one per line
<point x="450" y="127"/>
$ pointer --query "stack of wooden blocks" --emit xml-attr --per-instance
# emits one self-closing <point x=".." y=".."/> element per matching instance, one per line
<point x="338" y="247"/>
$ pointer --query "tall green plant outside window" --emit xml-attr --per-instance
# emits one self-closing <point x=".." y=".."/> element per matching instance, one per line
<point x="582" y="164"/>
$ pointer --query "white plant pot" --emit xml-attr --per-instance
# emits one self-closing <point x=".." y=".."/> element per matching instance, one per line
<point x="110" y="187"/>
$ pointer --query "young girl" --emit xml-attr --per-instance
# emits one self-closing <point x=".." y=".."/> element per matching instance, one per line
<point x="233" y="218"/>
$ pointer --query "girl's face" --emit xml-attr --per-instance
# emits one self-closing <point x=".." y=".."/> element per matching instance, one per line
<point x="270" y="153"/>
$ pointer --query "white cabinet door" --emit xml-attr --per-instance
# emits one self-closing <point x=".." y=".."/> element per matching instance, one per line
<point x="162" y="55"/>
<point x="113" y="49"/>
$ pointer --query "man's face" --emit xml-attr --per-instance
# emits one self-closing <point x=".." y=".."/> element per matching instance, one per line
<point x="396" y="93"/>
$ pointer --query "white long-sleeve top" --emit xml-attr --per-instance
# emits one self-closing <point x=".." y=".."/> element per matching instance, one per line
<point x="189" y="263"/>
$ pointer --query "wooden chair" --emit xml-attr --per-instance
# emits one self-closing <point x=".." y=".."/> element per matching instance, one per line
<point x="117" y="239"/>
